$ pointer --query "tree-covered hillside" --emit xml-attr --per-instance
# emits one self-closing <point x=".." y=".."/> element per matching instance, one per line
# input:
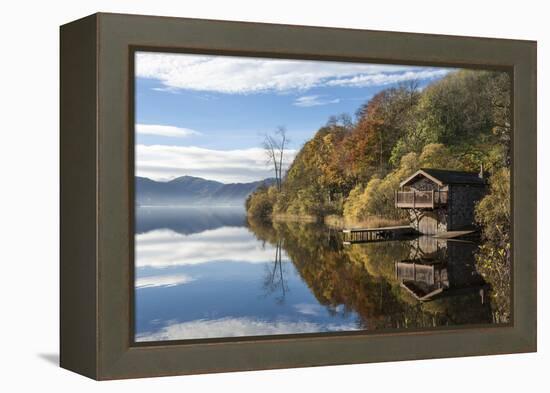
<point x="351" y="168"/>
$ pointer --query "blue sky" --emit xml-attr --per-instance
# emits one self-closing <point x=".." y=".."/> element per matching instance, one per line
<point x="207" y="115"/>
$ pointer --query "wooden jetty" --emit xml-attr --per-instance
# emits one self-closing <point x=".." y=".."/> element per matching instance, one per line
<point x="365" y="235"/>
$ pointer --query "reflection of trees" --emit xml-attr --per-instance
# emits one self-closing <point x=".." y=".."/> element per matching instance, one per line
<point x="275" y="277"/>
<point x="495" y="264"/>
<point x="361" y="278"/>
<point x="494" y="258"/>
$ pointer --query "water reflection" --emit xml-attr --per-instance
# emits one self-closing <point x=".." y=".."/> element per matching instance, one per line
<point x="365" y="280"/>
<point x="438" y="267"/>
<point x="237" y="327"/>
<point x="221" y="281"/>
<point x="226" y="277"/>
<point x="163" y="248"/>
<point x="274" y="281"/>
<point x="187" y="220"/>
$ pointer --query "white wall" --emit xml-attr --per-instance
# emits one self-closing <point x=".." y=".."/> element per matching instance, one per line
<point x="29" y="192"/>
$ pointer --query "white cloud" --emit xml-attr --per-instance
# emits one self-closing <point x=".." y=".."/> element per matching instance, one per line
<point x="164" y="130"/>
<point x="382" y="79"/>
<point x="314" y="100"/>
<point x="162" y="162"/>
<point x="238" y="327"/>
<point x="165" y="248"/>
<point x="170" y="280"/>
<point x="242" y="75"/>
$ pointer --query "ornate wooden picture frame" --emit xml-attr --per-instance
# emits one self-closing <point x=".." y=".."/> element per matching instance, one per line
<point x="97" y="195"/>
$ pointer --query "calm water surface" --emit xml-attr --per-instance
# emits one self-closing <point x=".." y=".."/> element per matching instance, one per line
<point x="206" y="273"/>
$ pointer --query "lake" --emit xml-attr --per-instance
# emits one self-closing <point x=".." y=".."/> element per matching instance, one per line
<point x="208" y="273"/>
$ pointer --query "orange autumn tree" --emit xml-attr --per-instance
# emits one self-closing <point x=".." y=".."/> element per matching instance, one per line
<point x="382" y="121"/>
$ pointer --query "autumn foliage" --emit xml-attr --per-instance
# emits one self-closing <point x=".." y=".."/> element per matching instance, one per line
<point x="352" y="166"/>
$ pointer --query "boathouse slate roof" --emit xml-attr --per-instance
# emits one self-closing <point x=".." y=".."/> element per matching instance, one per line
<point x="444" y="176"/>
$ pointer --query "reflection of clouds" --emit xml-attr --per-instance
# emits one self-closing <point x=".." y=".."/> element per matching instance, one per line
<point x="238" y="327"/>
<point x="164" y="247"/>
<point x="169" y="280"/>
<point x="308" y="308"/>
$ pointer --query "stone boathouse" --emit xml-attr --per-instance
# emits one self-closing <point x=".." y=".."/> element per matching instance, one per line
<point x="441" y="200"/>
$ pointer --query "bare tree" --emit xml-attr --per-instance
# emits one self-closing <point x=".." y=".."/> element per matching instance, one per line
<point x="275" y="145"/>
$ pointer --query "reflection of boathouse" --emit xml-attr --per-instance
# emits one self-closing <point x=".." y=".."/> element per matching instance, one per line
<point x="436" y="266"/>
<point x="441" y="200"/>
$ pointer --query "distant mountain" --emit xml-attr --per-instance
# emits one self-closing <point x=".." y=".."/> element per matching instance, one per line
<point x="190" y="190"/>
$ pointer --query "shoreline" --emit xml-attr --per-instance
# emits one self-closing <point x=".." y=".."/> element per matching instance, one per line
<point x="338" y="222"/>
<point x="304" y="218"/>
